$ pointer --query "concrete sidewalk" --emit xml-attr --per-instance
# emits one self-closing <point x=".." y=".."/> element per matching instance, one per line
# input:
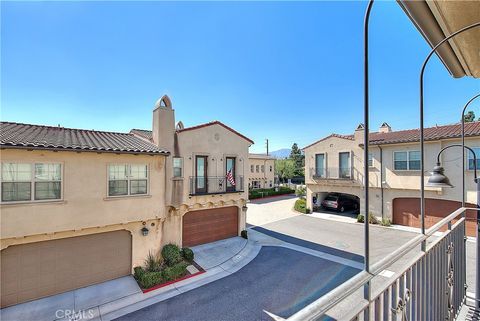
<point x="111" y="299"/>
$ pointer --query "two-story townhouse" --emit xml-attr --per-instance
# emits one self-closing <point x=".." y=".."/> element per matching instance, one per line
<point x="335" y="164"/>
<point x="261" y="171"/>
<point x="79" y="207"/>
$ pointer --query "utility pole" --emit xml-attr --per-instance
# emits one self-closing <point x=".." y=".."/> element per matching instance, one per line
<point x="266" y="142"/>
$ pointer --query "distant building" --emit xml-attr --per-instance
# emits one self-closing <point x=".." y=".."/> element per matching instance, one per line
<point x="261" y="171"/>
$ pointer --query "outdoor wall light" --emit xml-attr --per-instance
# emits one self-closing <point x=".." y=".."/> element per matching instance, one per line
<point x="438" y="179"/>
<point x="244" y="208"/>
<point x="144" y="231"/>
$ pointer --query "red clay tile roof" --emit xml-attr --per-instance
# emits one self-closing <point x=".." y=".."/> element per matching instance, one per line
<point x="147" y="134"/>
<point x="413" y="135"/>
<point x="430" y="133"/>
<point x="350" y="137"/>
<point x="17" y="135"/>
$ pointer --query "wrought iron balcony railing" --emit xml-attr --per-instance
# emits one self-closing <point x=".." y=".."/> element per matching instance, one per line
<point x="214" y="185"/>
<point x="331" y="173"/>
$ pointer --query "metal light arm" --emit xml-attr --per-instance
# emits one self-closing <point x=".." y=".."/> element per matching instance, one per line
<point x="459" y="145"/>
<point x="463" y="145"/>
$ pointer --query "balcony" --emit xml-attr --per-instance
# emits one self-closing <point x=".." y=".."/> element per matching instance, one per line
<point x="331" y="173"/>
<point x="214" y="185"/>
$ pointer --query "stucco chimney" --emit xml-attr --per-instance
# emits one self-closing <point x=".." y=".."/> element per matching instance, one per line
<point x="163" y="128"/>
<point x="358" y="135"/>
<point x="385" y="128"/>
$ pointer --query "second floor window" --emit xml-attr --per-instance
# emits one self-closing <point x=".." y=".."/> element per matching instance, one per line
<point x="177" y="167"/>
<point x="344" y="165"/>
<point x="257" y="168"/>
<point x="127" y="179"/>
<point x="471" y="163"/>
<point x="408" y="160"/>
<point x="31" y="182"/>
<point x="263" y="168"/>
<point x="271" y="168"/>
<point x="252" y="168"/>
<point x="370" y="160"/>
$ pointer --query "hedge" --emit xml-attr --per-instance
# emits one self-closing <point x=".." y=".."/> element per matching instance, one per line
<point x="263" y="192"/>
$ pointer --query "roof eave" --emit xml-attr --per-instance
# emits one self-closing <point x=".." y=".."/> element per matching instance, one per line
<point x="79" y="150"/>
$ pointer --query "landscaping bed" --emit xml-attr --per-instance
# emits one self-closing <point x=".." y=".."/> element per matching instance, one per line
<point x="301" y="206"/>
<point x="265" y="192"/>
<point x="166" y="268"/>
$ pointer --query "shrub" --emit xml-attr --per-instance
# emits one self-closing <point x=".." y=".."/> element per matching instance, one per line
<point x="244" y="234"/>
<point x="152" y="263"/>
<point x="150" y="279"/>
<point x="301" y="206"/>
<point x="307" y="211"/>
<point x="138" y="272"/>
<point x="174" y="272"/>
<point x="171" y="254"/>
<point x="386" y="222"/>
<point x="372" y="219"/>
<point x="187" y="254"/>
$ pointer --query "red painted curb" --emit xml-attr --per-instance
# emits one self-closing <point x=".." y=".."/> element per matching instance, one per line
<point x="171" y="282"/>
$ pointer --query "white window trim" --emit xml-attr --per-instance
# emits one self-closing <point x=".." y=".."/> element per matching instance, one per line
<point x="32" y="183"/>
<point x="350" y="165"/>
<point x="173" y="169"/>
<point x="408" y="161"/>
<point x="128" y="181"/>
<point x="373" y="161"/>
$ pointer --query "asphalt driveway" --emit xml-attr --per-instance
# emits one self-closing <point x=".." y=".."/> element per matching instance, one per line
<point x="280" y="281"/>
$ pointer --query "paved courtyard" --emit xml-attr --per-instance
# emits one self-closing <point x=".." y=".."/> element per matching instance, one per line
<point x="278" y="281"/>
<point x="270" y="209"/>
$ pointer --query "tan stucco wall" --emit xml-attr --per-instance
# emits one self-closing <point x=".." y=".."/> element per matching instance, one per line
<point x="396" y="183"/>
<point x="217" y="143"/>
<point x="85" y="207"/>
<point x="266" y="177"/>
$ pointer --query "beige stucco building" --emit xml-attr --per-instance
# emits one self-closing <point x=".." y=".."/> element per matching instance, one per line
<point x="261" y="171"/>
<point x="81" y="207"/>
<point x="335" y="164"/>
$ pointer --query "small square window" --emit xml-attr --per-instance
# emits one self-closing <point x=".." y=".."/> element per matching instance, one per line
<point x="177" y="167"/>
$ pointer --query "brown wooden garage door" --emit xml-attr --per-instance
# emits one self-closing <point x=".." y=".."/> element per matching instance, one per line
<point x="35" y="270"/>
<point x="406" y="211"/>
<point x="209" y="225"/>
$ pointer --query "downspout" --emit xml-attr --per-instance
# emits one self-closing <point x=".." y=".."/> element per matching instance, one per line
<point x="381" y="179"/>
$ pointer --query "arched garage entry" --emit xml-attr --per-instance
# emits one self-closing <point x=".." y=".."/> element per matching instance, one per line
<point x="204" y="226"/>
<point x="406" y="211"/>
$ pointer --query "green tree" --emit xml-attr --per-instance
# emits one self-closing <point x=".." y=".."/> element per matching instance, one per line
<point x="469" y="117"/>
<point x="299" y="159"/>
<point x="284" y="169"/>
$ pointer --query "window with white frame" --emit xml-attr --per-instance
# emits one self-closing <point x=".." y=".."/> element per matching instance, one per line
<point x="177" y="167"/>
<point x="127" y="179"/>
<point x="31" y="182"/>
<point x="471" y="163"/>
<point x="370" y="159"/>
<point x="407" y="160"/>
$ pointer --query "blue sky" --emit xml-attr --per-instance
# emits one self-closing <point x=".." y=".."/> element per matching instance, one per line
<point x="287" y="71"/>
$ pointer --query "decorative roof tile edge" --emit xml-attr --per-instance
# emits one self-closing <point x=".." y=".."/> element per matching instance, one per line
<point x="216" y="122"/>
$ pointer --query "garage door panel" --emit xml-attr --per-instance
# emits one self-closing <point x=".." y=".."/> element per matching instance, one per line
<point x="35" y="270"/>
<point x="210" y="225"/>
<point x="406" y="211"/>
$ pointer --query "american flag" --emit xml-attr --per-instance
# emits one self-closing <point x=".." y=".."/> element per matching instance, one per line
<point x="230" y="177"/>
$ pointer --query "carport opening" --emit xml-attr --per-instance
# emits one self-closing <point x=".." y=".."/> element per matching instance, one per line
<point x="336" y="203"/>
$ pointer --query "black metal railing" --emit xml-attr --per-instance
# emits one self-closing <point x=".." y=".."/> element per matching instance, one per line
<point x="331" y="173"/>
<point x="215" y="185"/>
